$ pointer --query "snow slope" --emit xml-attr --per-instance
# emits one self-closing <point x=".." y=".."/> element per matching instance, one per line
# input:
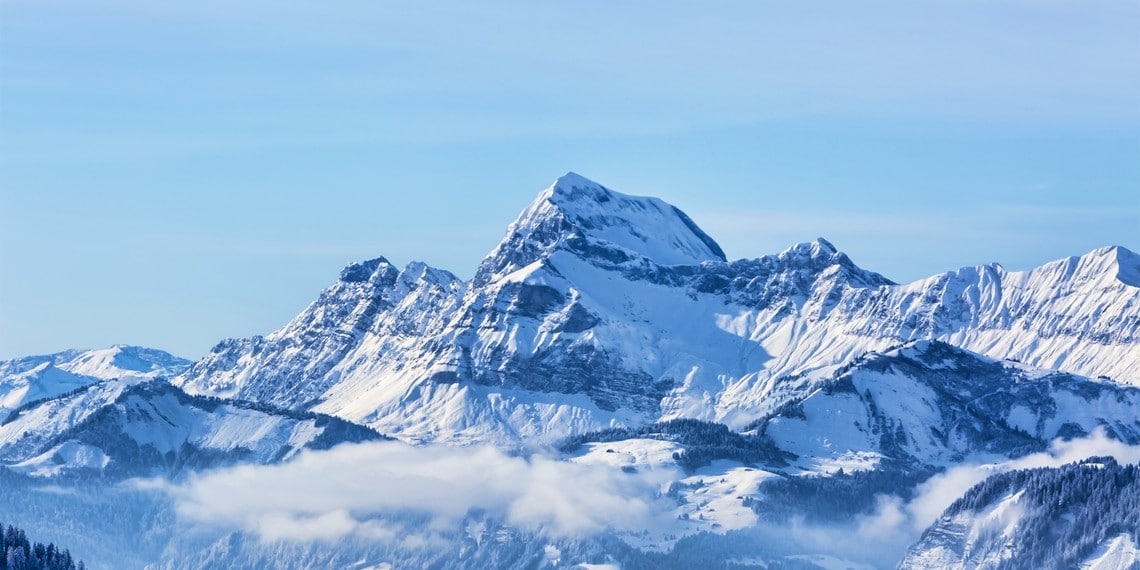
<point x="711" y="498"/>
<point x="1084" y="514"/>
<point x="32" y="378"/>
<point x="1119" y="552"/>
<point x="981" y="539"/>
<point x="934" y="404"/>
<point x="600" y="309"/>
<point x="149" y="426"/>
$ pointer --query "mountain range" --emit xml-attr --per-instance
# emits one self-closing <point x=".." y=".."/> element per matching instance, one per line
<point x="610" y="330"/>
<point x="31" y="378"/>
<point x="600" y="309"/>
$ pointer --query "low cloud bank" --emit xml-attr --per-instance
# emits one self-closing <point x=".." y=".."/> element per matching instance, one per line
<point x="416" y="496"/>
<point x="331" y="494"/>
<point x="895" y="518"/>
<point x="880" y="539"/>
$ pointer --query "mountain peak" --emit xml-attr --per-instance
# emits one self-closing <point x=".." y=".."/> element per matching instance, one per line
<point x="1116" y="260"/>
<point x="818" y="247"/>
<point x="580" y="215"/>
<point x="124" y="360"/>
<point x="1108" y="266"/>
<point x="572" y="180"/>
<point x="362" y="271"/>
<point x="575" y="194"/>
<point x="820" y="257"/>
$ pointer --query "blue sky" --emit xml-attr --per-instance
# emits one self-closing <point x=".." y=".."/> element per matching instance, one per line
<point x="175" y="173"/>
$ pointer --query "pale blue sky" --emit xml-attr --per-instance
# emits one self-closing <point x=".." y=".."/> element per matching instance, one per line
<point x="175" y="173"/>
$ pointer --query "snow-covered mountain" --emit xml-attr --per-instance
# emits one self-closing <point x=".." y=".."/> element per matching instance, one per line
<point x="751" y="395"/>
<point x="923" y="406"/>
<point x="1081" y="515"/>
<point x="146" y="427"/>
<point x="33" y="378"/>
<point x="930" y="403"/>
<point x="600" y="309"/>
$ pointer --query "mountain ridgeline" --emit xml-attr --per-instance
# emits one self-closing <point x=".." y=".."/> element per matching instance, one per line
<point x="35" y="378"/>
<point x="600" y="309"/>
<point x="608" y="336"/>
<point x="118" y="428"/>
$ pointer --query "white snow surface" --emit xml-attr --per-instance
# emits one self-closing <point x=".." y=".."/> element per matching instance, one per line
<point x="33" y="378"/>
<point x="1117" y="552"/>
<point x="943" y="405"/>
<point x="150" y="414"/>
<point x="62" y="458"/>
<point x="711" y="499"/>
<point x="828" y="562"/>
<point x="602" y="309"/>
<point x="985" y="538"/>
<point x="576" y="208"/>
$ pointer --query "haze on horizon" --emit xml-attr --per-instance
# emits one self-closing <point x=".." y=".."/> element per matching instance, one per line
<point x="171" y="175"/>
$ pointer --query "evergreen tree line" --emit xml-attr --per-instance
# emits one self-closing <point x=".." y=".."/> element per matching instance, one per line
<point x="704" y="442"/>
<point x="836" y="498"/>
<point x="1070" y="510"/>
<point x="21" y="554"/>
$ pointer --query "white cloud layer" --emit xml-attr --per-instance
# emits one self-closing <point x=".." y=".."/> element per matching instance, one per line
<point x="395" y="493"/>
<point x="882" y="538"/>
<point x="332" y="494"/>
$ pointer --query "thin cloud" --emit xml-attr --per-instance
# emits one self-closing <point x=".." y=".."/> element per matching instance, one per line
<point x="934" y="496"/>
<point x="882" y="538"/>
<point x="346" y="491"/>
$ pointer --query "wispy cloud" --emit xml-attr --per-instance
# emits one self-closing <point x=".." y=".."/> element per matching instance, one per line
<point x="896" y="518"/>
<point x="415" y="496"/>
<point x="882" y="537"/>
<point x="332" y="494"/>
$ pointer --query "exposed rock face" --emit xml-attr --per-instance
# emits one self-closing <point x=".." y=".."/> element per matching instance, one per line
<point x="929" y="403"/>
<point x="599" y="308"/>
<point x="150" y="427"/>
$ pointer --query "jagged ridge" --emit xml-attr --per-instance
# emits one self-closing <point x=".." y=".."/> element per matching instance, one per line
<point x="32" y="378"/>
<point x="602" y="309"/>
<point x="151" y="427"/>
